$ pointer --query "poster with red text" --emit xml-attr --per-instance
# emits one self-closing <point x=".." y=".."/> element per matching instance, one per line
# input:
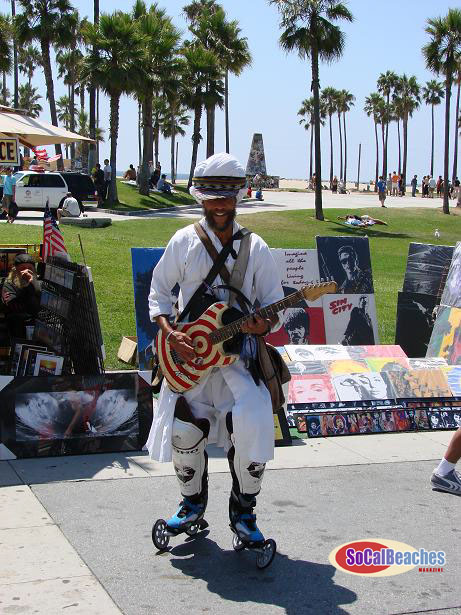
<point x="350" y="320"/>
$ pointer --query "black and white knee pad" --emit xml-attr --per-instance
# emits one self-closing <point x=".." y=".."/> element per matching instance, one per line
<point x="189" y="440"/>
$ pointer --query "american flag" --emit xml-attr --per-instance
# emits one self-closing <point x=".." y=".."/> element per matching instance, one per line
<point x="53" y="242"/>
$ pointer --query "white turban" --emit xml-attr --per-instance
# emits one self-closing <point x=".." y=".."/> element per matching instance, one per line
<point x="218" y="177"/>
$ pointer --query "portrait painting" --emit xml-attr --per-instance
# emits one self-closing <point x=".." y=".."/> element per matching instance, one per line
<point x="346" y="260"/>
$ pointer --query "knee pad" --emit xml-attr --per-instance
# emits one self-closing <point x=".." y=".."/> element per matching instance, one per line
<point x="189" y="440"/>
<point x="247" y="475"/>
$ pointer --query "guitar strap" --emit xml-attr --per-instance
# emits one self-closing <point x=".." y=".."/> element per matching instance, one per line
<point x="218" y="268"/>
<point x="234" y="280"/>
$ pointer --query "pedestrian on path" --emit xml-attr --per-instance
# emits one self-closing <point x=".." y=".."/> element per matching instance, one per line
<point x="414" y="184"/>
<point x="381" y="185"/>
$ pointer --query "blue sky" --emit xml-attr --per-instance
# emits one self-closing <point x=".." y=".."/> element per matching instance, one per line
<point x="267" y="96"/>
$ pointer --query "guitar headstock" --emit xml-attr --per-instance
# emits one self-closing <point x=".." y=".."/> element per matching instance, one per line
<point x="314" y="291"/>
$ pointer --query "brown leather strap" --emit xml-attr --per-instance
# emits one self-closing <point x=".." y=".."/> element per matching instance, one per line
<point x="205" y="239"/>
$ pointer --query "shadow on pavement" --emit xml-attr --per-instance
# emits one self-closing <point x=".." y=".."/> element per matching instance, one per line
<point x="297" y="586"/>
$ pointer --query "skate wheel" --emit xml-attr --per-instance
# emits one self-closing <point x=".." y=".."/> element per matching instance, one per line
<point x="237" y="543"/>
<point x="192" y="529"/>
<point x="159" y="535"/>
<point x="265" y="557"/>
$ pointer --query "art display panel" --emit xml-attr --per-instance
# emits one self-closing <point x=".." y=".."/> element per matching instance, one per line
<point x="347" y="261"/>
<point x="350" y="320"/>
<point x="446" y="336"/>
<point x="452" y="291"/>
<point x="415" y="321"/>
<point x="62" y="415"/>
<point x="427" y="268"/>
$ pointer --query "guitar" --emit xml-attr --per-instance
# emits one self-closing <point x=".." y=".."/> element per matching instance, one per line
<point x="208" y="334"/>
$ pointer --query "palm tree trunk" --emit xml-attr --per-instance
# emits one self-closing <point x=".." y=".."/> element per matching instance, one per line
<point x="172" y="149"/>
<point x="455" y="143"/>
<point x="318" y="153"/>
<point x="112" y="197"/>
<point x="139" y="136"/>
<point x="195" y="139"/>
<point x="432" y="144"/>
<point x="155" y="136"/>
<point x="400" y="155"/>
<point x="15" y="60"/>
<point x="331" y="152"/>
<point x="377" y="158"/>
<point x="97" y="119"/>
<point x="312" y="147"/>
<point x="226" y="108"/>
<point x="82" y="97"/>
<point x="92" y="103"/>
<point x="147" y="131"/>
<point x="345" y="148"/>
<point x="385" y="148"/>
<point x="4" y="87"/>
<point x="383" y="141"/>
<point x="210" y="123"/>
<point x="405" y="154"/>
<point x="340" y="147"/>
<point x="46" y="63"/>
<point x="446" y="206"/>
<point x="72" y="120"/>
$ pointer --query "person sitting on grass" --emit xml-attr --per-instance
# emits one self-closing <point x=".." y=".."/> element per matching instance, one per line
<point x="163" y="185"/>
<point x="70" y="208"/>
<point x="130" y="174"/>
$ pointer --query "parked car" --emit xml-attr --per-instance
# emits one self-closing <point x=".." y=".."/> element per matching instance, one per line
<point x="33" y="189"/>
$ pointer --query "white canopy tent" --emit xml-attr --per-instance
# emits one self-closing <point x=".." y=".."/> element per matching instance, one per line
<point x="33" y="132"/>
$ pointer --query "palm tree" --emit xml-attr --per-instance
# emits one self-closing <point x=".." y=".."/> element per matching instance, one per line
<point x="6" y="60"/>
<point x="29" y="59"/>
<point x="373" y="105"/>
<point x="441" y="54"/>
<point x="308" y="28"/>
<point x="115" y="68"/>
<point x="432" y="95"/>
<point x="346" y="101"/>
<point x="407" y="96"/>
<point x="161" y="43"/>
<point x="69" y="67"/>
<point x="202" y="68"/>
<point x="338" y="111"/>
<point x="455" y="153"/>
<point x="49" y="22"/>
<point x="63" y="110"/>
<point x="386" y="85"/>
<point x="28" y="100"/>
<point x="329" y="100"/>
<point x="172" y="126"/>
<point x="307" y="113"/>
<point x="207" y="22"/>
<point x="93" y="112"/>
<point x="15" y="55"/>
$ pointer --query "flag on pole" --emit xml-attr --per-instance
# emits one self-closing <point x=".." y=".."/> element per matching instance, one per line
<point x="53" y="241"/>
<point x="53" y="158"/>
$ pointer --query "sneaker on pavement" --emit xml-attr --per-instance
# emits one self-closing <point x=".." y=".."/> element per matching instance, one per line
<point x="451" y="482"/>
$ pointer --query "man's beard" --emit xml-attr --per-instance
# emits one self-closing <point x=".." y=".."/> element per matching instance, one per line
<point x="227" y="220"/>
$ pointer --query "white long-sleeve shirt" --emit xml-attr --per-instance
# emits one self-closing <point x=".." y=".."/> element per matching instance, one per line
<point x="186" y="262"/>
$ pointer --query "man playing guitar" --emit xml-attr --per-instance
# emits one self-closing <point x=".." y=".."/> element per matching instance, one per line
<point x="226" y="407"/>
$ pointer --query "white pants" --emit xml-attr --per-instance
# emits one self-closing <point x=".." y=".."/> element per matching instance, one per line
<point x="230" y="389"/>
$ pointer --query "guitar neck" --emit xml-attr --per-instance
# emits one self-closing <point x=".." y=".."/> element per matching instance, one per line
<point x="228" y="331"/>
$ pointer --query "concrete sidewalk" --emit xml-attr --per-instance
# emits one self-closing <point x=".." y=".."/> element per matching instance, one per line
<point x="75" y="533"/>
<point x="273" y="201"/>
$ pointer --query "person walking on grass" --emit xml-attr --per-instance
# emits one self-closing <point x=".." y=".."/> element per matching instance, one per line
<point x="381" y="185"/>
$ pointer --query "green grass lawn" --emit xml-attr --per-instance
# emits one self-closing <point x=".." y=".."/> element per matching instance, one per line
<point x="130" y="199"/>
<point x="107" y="251"/>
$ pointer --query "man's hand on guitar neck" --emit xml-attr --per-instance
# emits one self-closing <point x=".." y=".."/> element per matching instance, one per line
<point x="181" y="343"/>
<point x="257" y="325"/>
